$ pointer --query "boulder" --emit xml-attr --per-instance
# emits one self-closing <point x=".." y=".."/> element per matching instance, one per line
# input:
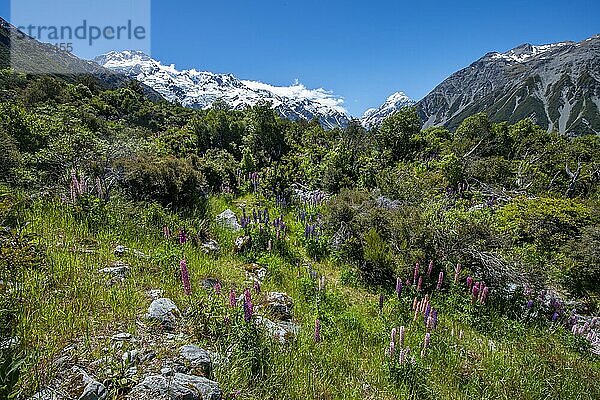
<point x="282" y="331"/>
<point x="228" y="220"/>
<point x="279" y="306"/>
<point x="47" y="394"/>
<point x="164" y="311"/>
<point x="210" y="247"/>
<point x="177" y="386"/>
<point x="196" y="358"/>
<point x="242" y="243"/>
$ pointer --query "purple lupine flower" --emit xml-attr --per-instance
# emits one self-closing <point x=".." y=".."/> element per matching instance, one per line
<point x="419" y="284"/>
<point x="484" y="294"/>
<point x="217" y="288"/>
<point x="529" y="303"/>
<point x="475" y="291"/>
<point x="427" y="311"/>
<point x="399" y="287"/>
<point x="457" y="273"/>
<point x="440" y="280"/>
<point x="426" y="342"/>
<point x="248" y="308"/>
<point x="317" y="330"/>
<point x="185" y="277"/>
<point x="469" y="282"/>
<point x="416" y="274"/>
<point x="182" y="236"/>
<point x="430" y="268"/>
<point x="232" y="298"/>
<point x="554" y="316"/>
<point x="401" y="336"/>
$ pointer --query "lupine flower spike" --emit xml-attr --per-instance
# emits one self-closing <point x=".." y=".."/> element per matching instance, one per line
<point x="399" y="287"/>
<point x="232" y="298"/>
<point x="185" y="277"/>
<point x="440" y="280"/>
<point x="430" y="268"/>
<point x="248" y="308"/>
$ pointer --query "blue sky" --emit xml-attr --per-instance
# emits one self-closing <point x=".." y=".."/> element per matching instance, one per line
<point x="360" y="50"/>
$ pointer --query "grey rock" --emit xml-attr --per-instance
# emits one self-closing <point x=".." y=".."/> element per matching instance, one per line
<point x="228" y="220"/>
<point x="282" y="331"/>
<point x="242" y="243"/>
<point x="122" y="337"/>
<point x="120" y="250"/>
<point x="209" y="283"/>
<point x="47" y="394"/>
<point x="176" y="387"/>
<point x="211" y="247"/>
<point x="92" y="389"/>
<point x="279" y="306"/>
<point x="164" y="311"/>
<point x="196" y="358"/>
<point x="118" y="268"/>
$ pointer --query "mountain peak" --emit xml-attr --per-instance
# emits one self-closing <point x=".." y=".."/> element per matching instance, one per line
<point x="374" y="116"/>
<point x="200" y="89"/>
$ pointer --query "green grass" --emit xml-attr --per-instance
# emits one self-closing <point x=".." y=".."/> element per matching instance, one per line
<point x="66" y="300"/>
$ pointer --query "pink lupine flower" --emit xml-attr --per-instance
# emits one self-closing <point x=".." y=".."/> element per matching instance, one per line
<point x="419" y="284"/>
<point x="248" y="308"/>
<point x="430" y="268"/>
<point x="414" y="304"/>
<point x="416" y="274"/>
<point x="257" y="287"/>
<point x="469" y="282"/>
<point x="185" y="277"/>
<point x="457" y="272"/>
<point x="166" y="232"/>
<point x="484" y="294"/>
<point x="317" y="330"/>
<point x="440" y="280"/>
<point x="217" y="288"/>
<point x="232" y="298"/>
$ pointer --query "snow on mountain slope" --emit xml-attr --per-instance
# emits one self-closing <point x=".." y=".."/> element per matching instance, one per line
<point x="200" y="89"/>
<point x="374" y="116"/>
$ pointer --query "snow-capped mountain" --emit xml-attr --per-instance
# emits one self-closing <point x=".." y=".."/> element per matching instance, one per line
<point x="557" y="85"/>
<point x="374" y="116"/>
<point x="200" y="89"/>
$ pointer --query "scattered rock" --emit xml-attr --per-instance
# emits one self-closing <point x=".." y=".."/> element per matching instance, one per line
<point x="47" y="394"/>
<point x="122" y="337"/>
<point x="255" y="272"/>
<point x="196" y="358"/>
<point x="178" y="386"/>
<point x="155" y="294"/>
<point x="279" y="306"/>
<point x="228" y="219"/>
<point x="242" y="243"/>
<point x="210" y="247"/>
<point x="92" y="389"/>
<point x="10" y="343"/>
<point x="282" y="331"/>
<point x="209" y="283"/>
<point x="120" y="250"/>
<point x="118" y="268"/>
<point x="164" y="311"/>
